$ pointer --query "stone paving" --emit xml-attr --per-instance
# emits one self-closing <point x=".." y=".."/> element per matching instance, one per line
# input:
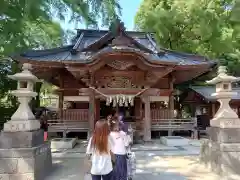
<point x="154" y="162"/>
<point x="148" y="168"/>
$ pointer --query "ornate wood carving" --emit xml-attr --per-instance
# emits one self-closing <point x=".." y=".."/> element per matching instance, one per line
<point x="116" y="82"/>
<point x="86" y="78"/>
<point x="120" y="64"/>
<point x="150" y="77"/>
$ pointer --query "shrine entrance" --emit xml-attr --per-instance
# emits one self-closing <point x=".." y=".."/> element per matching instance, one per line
<point x="127" y="111"/>
<point x="106" y="110"/>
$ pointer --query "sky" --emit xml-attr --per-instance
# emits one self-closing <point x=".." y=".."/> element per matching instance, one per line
<point x="129" y="9"/>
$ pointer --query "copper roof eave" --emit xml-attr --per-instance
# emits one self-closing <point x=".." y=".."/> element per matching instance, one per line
<point x="206" y="71"/>
<point x="54" y="64"/>
<point x="105" y="37"/>
<point x="109" y="35"/>
<point x="95" y="58"/>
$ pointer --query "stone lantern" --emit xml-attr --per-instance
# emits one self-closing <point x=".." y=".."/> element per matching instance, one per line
<point x="221" y="152"/>
<point x="23" y="152"/>
<point x="23" y="119"/>
<point x="225" y="115"/>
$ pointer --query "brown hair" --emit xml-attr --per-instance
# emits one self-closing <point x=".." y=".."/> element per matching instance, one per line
<point x="114" y="124"/>
<point x="100" y="136"/>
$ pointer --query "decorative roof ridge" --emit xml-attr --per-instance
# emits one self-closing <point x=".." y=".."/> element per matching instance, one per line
<point x="106" y="31"/>
<point x="36" y="53"/>
<point x="153" y="42"/>
<point x="77" y="44"/>
<point x="99" y="39"/>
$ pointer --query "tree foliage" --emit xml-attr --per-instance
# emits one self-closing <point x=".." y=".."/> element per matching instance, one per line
<point x="193" y="26"/>
<point x="28" y="24"/>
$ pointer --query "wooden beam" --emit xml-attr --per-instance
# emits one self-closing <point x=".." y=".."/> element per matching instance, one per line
<point x="61" y="97"/>
<point x="171" y="97"/>
<point x="91" y="112"/>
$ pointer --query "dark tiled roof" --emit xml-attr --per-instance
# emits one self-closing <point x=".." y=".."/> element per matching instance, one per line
<point x="207" y="91"/>
<point x="91" y="36"/>
<point x="64" y="54"/>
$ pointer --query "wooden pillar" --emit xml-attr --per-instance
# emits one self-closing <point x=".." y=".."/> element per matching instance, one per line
<point x="97" y="109"/>
<point x="91" y="112"/>
<point x="147" y="120"/>
<point x="60" y="106"/>
<point x="171" y="98"/>
<point x="171" y="102"/>
<point x="138" y="126"/>
<point x="61" y="95"/>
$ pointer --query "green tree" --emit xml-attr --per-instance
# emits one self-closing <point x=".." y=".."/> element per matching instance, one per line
<point x="28" y="24"/>
<point x="193" y="26"/>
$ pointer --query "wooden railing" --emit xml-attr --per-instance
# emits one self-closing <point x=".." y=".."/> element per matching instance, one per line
<point x="75" y="115"/>
<point x="174" y="124"/>
<point x="159" y="114"/>
<point x="67" y="126"/>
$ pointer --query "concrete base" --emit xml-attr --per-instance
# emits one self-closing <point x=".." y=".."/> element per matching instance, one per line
<point x="63" y="143"/>
<point x="24" y="156"/>
<point x="224" y="135"/>
<point x="223" y="159"/>
<point x="21" y="126"/>
<point x="25" y="163"/>
<point x="174" y="141"/>
<point x="21" y="139"/>
<point x="221" y="156"/>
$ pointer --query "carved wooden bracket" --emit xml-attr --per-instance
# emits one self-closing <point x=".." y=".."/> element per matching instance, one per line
<point x="120" y="64"/>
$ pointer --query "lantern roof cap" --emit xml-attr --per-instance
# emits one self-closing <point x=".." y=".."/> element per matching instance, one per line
<point x="223" y="77"/>
<point x="25" y="75"/>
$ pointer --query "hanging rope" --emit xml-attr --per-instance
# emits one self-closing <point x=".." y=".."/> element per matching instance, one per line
<point x="119" y="94"/>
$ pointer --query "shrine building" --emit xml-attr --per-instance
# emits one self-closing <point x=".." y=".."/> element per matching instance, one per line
<point x="102" y="72"/>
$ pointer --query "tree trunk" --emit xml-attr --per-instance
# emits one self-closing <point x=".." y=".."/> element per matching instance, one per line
<point x="35" y="103"/>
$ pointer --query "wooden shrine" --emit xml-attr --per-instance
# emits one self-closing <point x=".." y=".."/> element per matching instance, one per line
<point x="117" y="70"/>
<point x="201" y="101"/>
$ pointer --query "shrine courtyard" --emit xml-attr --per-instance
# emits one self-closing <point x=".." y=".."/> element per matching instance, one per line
<point x="104" y="72"/>
<point x="154" y="162"/>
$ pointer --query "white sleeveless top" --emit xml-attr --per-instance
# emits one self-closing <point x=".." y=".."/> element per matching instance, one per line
<point x="120" y="142"/>
<point x="101" y="163"/>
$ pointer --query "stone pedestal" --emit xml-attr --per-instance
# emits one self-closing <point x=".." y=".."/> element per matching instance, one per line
<point x="174" y="141"/>
<point x="221" y="152"/>
<point x="63" y="143"/>
<point x="24" y="156"/>
<point x="23" y="153"/>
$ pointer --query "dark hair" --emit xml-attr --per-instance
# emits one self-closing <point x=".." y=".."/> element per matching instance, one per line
<point x="100" y="136"/>
<point x="114" y="123"/>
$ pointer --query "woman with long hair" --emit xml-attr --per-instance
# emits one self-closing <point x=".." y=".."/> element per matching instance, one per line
<point x="120" y="142"/>
<point x="100" y="149"/>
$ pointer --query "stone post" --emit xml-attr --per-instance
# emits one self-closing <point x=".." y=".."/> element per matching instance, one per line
<point x="222" y="151"/>
<point x="23" y="153"/>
